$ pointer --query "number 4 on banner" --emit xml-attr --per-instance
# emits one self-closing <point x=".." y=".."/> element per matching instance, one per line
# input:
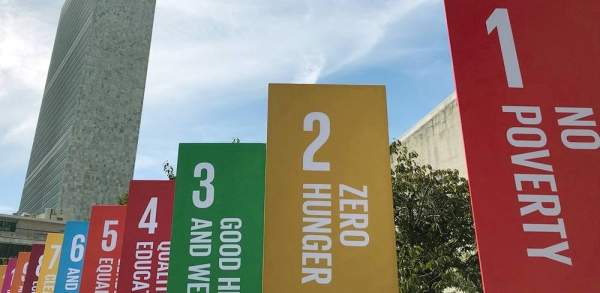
<point x="500" y="20"/>
<point x="148" y="220"/>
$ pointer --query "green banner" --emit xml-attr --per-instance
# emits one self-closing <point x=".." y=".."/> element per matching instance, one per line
<point x="217" y="236"/>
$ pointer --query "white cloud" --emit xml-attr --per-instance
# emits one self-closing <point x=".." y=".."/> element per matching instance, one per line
<point x="206" y="56"/>
<point x="202" y="47"/>
<point x="26" y="38"/>
<point x="6" y="210"/>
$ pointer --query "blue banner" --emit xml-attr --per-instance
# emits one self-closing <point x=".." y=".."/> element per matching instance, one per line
<point x="71" y="259"/>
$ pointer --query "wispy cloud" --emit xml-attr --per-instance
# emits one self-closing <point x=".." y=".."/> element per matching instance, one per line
<point x="6" y="210"/>
<point x="205" y="46"/>
<point x="26" y="37"/>
<point x="210" y="64"/>
<point x="208" y="57"/>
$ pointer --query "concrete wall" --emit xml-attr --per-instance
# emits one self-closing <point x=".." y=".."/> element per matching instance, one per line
<point x="438" y="139"/>
<point x="28" y="231"/>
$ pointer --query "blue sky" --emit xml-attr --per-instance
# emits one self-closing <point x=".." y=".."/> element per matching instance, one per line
<point x="211" y="62"/>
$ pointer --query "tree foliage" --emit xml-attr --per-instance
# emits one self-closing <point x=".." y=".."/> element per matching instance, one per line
<point x="169" y="170"/>
<point x="123" y="198"/>
<point x="435" y="238"/>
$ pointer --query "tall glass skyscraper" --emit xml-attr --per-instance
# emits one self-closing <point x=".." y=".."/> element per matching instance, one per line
<point x="86" y="137"/>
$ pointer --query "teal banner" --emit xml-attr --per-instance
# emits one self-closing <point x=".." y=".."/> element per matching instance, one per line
<point x="217" y="236"/>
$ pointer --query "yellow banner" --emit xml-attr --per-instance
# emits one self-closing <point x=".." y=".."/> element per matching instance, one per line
<point x="49" y="264"/>
<point x="2" y="273"/>
<point x="329" y="224"/>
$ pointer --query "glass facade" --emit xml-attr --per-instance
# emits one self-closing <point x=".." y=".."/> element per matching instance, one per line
<point x="63" y="87"/>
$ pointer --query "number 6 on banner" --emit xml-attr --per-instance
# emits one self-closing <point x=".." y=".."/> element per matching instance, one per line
<point x="77" y="248"/>
<point x="499" y="19"/>
<point x="150" y="216"/>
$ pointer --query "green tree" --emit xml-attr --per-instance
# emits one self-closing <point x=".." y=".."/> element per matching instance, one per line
<point x="435" y="238"/>
<point x="123" y="198"/>
<point x="169" y="170"/>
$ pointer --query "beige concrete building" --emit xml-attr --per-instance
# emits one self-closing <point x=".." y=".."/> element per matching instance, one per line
<point x="19" y="233"/>
<point x="438" y="138"/>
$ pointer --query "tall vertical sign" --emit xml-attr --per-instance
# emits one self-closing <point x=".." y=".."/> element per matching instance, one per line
<point x="8" y="275"/>
<point x="527" y="84"/>
<point x="33" y="268"/>
<point x="68" y="277"/>
<point x="49" y="264"/>
<point x="147" y="240"/>
<point x="103" y="249"/>
<point x="20" y="272"/>
<point x="2" y="274"/>
<point x="218" y="218"/>
<point x="329" y="223"/>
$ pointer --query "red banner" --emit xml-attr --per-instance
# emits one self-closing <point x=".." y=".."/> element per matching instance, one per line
<point x="33" y="268"/>
<point x="20" y="272"/>
<point x="147" y="241"/>
<point x="103" y="249"/>
<point x="527" y="76"/>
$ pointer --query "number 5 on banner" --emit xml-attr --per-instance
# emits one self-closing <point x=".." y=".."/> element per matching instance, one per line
<point x="499" y="19"/>
<point x="109" y="233"/>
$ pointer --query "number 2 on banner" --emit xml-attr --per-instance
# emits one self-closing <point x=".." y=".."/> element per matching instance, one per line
<point x="308" y="160"/>
<point x="500" y="20"/>
<point x="148" y="220"/>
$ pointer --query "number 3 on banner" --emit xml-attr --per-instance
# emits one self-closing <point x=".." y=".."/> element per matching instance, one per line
<point x="148" y="220"/>
<point x="308" y="160"/>
<point x="499" y="19"/>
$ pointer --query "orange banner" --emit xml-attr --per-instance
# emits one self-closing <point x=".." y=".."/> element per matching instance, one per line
<point x="20" y="272"/>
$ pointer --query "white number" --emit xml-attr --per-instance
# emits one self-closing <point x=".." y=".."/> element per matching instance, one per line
<point x="308" y="161"/>
<point x="55" y="255"/>
<point x="39" y="266"/>
<point x="77" y="248"/>
<point x="206" y="183"/>
<point x="113" y="236"/>
<point x="150" y="216"/>
<point x="499" y="19"/>
<point x="24" y="272"/>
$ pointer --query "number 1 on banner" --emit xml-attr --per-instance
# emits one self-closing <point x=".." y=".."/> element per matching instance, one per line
<point x="500" y="20"/>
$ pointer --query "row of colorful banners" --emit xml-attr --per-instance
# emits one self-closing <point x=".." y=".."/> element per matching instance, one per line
<point x="300" y="216"/>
